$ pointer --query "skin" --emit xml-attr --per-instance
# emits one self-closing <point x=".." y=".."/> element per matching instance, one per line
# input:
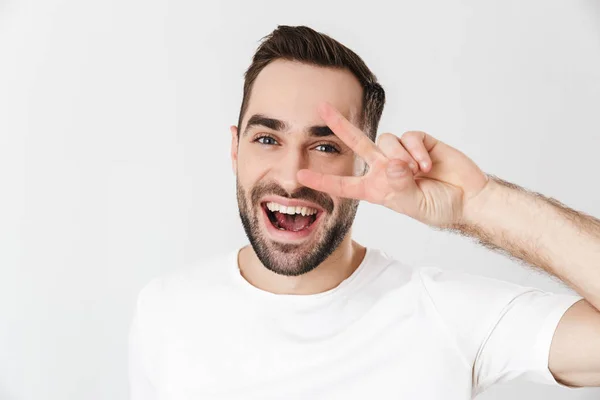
<point x="428" y="180"/>
<point x="291" y="92"/>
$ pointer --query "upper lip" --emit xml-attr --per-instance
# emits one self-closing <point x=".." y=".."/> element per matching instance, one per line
<point x="291" y="202"/>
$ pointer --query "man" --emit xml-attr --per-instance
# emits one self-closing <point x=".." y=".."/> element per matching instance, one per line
<point x="305" y="312"/>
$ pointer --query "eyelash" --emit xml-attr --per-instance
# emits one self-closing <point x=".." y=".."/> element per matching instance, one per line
<point x="333" y="148"/>
<point x="265" y="137"/>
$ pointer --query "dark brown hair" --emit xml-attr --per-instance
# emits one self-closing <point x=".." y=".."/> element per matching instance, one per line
<point x="301" y="43"/>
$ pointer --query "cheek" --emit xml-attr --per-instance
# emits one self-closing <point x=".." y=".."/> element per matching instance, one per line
<point x="251" y="168"/>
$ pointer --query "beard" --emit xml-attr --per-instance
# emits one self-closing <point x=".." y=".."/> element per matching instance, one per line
<point x="295" y="259"/>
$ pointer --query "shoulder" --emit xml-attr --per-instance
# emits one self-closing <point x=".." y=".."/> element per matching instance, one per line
<point x="452" y="285"/>
<point x="186" y="282"/>
<point x="451" y="292"/>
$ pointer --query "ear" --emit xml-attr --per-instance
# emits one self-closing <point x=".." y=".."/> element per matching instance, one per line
<point x="234" y="147"/>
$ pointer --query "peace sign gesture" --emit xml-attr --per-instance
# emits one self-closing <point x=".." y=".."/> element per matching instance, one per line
<point x="416" y="175"/>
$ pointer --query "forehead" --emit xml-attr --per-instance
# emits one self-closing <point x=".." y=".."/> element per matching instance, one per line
<point x="291" y="91"/>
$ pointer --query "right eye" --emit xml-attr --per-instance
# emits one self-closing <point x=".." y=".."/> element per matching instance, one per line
<point x="266" y="140"/>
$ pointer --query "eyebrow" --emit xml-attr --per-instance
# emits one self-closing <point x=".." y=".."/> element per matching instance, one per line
<point x="282" y="126"/>
<point x="320" y="131"/>
<point x="262" y="120"/>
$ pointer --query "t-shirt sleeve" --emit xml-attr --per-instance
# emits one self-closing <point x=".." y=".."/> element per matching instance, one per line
<point x="503" y="330"/>
<point x="140" y="386"/>
<point x="143" y="343"/>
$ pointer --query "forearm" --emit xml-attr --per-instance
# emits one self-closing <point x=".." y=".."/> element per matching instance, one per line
<point x="539" y="231"/>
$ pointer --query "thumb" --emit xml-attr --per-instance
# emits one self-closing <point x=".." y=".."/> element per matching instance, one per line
<point x="399" y="175"/>
<point x="402" y="182"/>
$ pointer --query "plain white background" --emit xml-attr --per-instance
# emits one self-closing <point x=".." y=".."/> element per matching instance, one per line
<point x="114" y="150"/>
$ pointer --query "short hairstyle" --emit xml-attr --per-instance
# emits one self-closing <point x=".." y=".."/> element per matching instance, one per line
<point x="303" y="44"/>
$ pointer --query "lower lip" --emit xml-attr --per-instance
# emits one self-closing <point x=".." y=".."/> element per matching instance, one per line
<point x="288" y="236"/>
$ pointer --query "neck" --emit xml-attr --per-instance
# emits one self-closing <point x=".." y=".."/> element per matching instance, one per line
<point x="327" y="275"/>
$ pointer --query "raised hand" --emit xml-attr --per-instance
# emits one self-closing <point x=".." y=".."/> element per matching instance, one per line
<point x="416" y="174"/>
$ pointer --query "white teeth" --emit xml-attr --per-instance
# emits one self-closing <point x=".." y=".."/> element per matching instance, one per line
<point x="291" y="210"/>
<point x="273" y="206"/>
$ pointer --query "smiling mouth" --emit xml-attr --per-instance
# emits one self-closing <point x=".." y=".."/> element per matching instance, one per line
<point x="291" y="219"/>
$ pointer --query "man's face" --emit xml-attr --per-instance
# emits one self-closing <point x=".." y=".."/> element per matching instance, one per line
<point x="293" y="228"/>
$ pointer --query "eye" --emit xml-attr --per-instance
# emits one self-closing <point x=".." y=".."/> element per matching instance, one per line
<point x="326" y="148"/>
<point x="266" y="140"/>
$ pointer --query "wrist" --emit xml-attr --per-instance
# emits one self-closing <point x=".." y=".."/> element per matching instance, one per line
<point x="475" y="207"/>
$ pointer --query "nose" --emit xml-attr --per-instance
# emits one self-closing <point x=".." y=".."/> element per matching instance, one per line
<point x="287" y="169"/>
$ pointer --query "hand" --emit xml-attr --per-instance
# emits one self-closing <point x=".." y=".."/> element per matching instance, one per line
<point x="416" y="175"/>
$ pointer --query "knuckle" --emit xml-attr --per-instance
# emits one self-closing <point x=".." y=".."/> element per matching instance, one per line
<point x="381" y="138"/>
<point x="387" y="135"/>
<point x="388" y="139"/>
<point x="413" y="135"/>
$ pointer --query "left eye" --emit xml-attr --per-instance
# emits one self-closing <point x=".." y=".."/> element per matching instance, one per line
<point x="326" y="148"/>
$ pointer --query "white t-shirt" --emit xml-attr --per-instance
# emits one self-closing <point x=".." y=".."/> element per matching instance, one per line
<point x="389" y="331"/>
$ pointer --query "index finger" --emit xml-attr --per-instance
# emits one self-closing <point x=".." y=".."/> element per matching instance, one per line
<point x="351" y="187"/>
<point x="350" y="134"/>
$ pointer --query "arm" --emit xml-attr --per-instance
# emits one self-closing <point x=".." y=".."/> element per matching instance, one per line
<point x="539" y="231"/>
<point x="545" y="234"/>
<point x="420" y="176"/>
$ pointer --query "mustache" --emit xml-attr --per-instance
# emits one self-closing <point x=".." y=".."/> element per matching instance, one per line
<point x="303" y="193"/>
